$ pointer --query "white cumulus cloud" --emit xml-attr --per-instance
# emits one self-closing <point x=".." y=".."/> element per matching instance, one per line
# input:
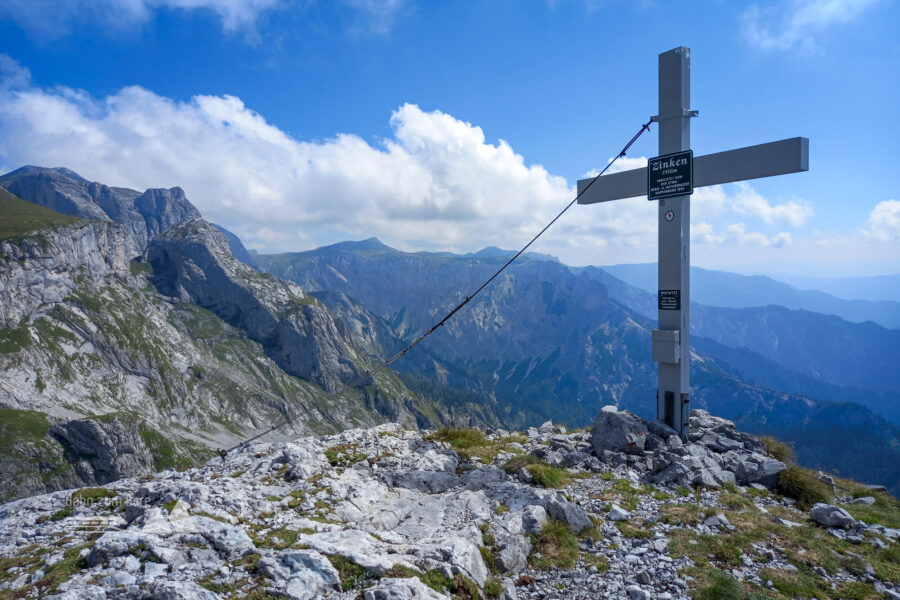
<point x="435" y="183"/>
<point x="884" y="222"/>
<point x="749" y="202"/>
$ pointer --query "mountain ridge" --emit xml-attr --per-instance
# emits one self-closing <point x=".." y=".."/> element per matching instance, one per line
<point x="103" y="376"/>
<point x="732" y="290"/>
<point x="544" y="356"/>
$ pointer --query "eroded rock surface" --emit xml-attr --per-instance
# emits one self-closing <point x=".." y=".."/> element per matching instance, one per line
<point x="388" y="513"/>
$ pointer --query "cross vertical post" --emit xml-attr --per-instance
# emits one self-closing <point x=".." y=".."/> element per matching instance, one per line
<point x="674" y="222"/>
<point x="672" y="341"/>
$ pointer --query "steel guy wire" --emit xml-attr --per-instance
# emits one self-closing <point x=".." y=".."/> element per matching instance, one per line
<point x="385" y="364"/>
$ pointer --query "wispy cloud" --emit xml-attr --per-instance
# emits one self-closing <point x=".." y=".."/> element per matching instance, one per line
<point x="375" y="16"/>
<point x="797" y="24"/>
<point x="53" y="19"/>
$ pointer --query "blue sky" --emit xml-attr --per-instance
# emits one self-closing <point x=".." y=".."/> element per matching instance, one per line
<point x="458" y="125"/>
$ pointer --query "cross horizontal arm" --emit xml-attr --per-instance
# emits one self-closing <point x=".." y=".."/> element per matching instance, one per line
<point x="752" y="162"/>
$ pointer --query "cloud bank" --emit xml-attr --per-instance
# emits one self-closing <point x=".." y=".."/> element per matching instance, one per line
<point x="434" y="183"/>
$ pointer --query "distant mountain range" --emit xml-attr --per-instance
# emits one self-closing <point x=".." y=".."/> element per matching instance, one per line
<point x="730" y="290"/>
<point x="876" y="287"/>
<point x="549" y="341"/>
<point x="134" y="333"/>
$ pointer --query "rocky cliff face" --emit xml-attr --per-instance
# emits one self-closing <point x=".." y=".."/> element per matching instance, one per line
<point x="464" y="514"/>
<point x="40" y="271"/>
<point x="143" y="215"/>
<point x="102" y="376"/>
<point x="192" y="262"/>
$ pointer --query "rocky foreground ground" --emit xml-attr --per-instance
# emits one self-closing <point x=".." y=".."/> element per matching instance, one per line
<point x="624" y="511"/>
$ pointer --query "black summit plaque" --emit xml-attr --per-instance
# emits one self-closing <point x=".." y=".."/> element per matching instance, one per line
<point x="669" y="299"/>
<point x="670" y="175"/>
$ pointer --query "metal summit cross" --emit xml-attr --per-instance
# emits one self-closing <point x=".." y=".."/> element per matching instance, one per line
<point x="670" y="179"/>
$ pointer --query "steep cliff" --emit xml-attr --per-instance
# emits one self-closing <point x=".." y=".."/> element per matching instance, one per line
<point x="103" y="377"/>
<point x="41" y="270"/>
<point x="192" y="262"/>
<point x="143" y="215"/>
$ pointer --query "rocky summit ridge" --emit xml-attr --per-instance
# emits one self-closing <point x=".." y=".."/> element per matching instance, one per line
<point x="394" y="513"/>
<point x="121" y="355"/>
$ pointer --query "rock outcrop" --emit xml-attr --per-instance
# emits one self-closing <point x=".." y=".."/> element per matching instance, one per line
<point x="388" y="513"/>
<point x="42" y="269"/>
<point x="192" y="262"/>
<point x="718" y="452"/>
<point x="143" y="215"/>
<point x="101" y="452"/>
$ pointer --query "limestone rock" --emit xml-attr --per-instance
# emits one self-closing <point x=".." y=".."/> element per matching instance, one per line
<point x="572" y="514"/>
<point x="142" y="215"/>
<point x="409" y="588"/>
<point x="192" y="262"/>
<point x="104" y="451"/>
<point x="617" y="513"/>
<point x="534" y="517"/>
<point x="309" y="574"/>
<point x="828" y="515"/>
<point x="618" y="431"/>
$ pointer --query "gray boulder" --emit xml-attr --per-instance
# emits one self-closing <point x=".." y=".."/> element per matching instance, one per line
<point x="180" y="590"/>
<point x="636" y="593"/>
<point x="618" y="431"/>
<point x="402" y="589"/>
<point x="712" y="477"/>
<point x="534" y="517"/>
<point x="573" y="459"/>
<point x="573" y="515"/>
<point x="311" y="574"/>
<point x="617" y="513"/>
<point x="865" y="500"/>
<point x="756" y="468"/>
<point x="116" y="543"/>
<point x="661" y="430"/>
<point x="513" y="555"/>
<point x="828" y="515"/>
<point x="230" y="540"/>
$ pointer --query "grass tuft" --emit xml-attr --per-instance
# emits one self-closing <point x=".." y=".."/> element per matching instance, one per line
<point x="778" y="450"/>
<point x="557" y="546"/>
<point x="542" y="474"/>
<point x="493" y="588"/>
<point x="353" y="576"/>
<point x="803" y="486"/>
<point x="460" y="439"/>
